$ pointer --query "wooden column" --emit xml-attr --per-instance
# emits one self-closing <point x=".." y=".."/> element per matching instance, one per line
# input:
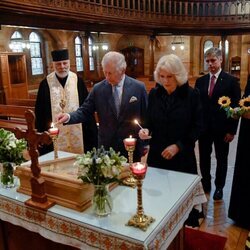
<point x="151" y="57"/>
<point x="38" y="196"/>
<point x="86" y="56"/>
<point x="223" y="40"/>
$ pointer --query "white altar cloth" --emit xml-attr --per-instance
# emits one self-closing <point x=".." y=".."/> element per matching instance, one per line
<point x="168" y="197"/>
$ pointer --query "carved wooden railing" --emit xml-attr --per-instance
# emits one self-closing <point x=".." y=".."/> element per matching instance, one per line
<point x="147" y="16"/>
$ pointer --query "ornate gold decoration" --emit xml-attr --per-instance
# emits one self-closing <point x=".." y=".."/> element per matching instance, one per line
<point x="130" y="180"/>
<point x="140" y="220"/>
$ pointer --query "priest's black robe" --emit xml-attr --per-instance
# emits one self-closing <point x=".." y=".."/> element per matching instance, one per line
<point x="44" y="115"/>
<point x="239" y="208"/>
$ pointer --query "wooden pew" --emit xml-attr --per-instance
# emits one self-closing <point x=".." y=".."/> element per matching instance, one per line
<point x="22" y="102"/>
<point x="12" y="116"/>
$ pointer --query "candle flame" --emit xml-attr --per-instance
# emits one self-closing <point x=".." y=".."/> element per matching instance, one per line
<point x="136" y="122"/>
<point x="52" y="125"/>
<point x="130" y="136"/>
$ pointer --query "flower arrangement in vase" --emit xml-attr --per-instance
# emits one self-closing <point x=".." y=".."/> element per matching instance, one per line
<point x="101" y="167"/>
<point x="11" y="152"/>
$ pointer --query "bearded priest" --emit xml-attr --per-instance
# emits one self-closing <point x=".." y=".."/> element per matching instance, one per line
<point x="63" y="91"/>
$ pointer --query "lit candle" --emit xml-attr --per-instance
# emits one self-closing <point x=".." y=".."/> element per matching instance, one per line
<point x="130" y="141"/>
<point x="138" y="168"/>
<point x="53" y="130"/>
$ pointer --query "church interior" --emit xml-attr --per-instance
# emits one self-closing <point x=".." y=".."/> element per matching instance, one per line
<point x="142" y="30"/>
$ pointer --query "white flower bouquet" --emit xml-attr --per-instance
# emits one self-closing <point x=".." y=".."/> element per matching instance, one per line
<point x="100" y="167"/>
<point x="11" y="148"/>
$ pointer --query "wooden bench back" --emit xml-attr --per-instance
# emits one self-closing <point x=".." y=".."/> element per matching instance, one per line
<point x="22" y="102"/>
<point x="12" y="116"/>
<point x="14" y="111"/>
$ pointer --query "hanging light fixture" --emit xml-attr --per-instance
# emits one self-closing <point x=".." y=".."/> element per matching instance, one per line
<point x="177" y="41"/>
<point x="100" y="44"/>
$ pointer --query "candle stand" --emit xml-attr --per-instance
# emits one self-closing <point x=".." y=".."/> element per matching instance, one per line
<point x="54" y="139"/>
<point x="130" y="180"/>
<point x="140" y="220"/>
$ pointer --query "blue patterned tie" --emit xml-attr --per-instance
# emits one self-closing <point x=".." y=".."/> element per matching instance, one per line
<point x="117" y="100"/>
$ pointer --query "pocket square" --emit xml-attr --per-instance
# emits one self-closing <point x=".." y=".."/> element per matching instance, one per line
<point x="132" y="99"/>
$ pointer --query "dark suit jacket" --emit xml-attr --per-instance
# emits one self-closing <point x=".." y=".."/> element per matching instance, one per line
<point x="215" y="119"/>
<point x="113" y="130"/>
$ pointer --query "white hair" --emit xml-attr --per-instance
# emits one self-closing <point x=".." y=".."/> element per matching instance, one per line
<point x="116" y="58"/>
<point x="173" y="65"/>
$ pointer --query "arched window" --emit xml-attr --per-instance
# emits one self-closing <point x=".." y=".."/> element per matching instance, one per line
<point x="91" y="57"/>
<point x="35" y="54"/>
<point x="78" y="53"/>
<point x="207" y="45"/>
<point x="16" y="42"/>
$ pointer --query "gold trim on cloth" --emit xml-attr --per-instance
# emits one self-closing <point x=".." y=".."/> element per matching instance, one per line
<point x="70" y="137"/>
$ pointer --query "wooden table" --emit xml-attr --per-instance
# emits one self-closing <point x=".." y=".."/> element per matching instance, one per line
<point x="168" y="197"/>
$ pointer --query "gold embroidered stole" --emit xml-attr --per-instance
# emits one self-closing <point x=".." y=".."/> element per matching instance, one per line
<point x="66" y="100"/>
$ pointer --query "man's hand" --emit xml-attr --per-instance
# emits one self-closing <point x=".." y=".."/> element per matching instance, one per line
<point x="144" y="134"/>
<point x="228" y="137"/>
<point x="170" y="151"/>
<point x="62" y="118"/>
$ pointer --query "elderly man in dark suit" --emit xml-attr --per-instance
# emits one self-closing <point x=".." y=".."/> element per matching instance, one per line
<point x="118" y="100"/>
<point x="219" y="130"/>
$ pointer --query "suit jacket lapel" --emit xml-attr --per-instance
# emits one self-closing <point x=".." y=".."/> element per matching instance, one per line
<point x="219" y="81"/>
<point x="206" y="85"/>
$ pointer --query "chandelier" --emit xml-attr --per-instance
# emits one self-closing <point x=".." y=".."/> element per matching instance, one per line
<point x="177" y="41"/>
<point x="100" y="44"/>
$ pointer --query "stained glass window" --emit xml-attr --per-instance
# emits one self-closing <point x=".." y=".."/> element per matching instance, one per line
<point x="16" y="42"/>
<point x="91" y="57"/>
<point x="35" y="54"/>
<point x="78" y="53"/>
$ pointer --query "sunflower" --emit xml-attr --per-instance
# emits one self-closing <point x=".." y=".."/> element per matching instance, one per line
<point x="245" y="103"/>
<point x="224" y="101"/>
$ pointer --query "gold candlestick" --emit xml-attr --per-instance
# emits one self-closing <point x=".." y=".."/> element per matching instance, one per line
<point x="140" y="219"/>
<point x="129" y="144"/>
<point x="54" y="139"/>
<point x="53" y="132"/>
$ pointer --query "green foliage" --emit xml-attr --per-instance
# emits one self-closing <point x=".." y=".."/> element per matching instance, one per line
<point x="11" y="149"/>
<point x="235" y="113"/>
<point x="100" y="167"/>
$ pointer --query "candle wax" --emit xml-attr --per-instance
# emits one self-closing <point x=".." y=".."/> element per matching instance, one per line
<point x="138" y="168"/>
<point x="130" y="141"/>
<point x="53" y="131"/>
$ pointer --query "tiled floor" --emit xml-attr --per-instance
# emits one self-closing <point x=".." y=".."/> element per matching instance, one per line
<point x="216" y="220"/>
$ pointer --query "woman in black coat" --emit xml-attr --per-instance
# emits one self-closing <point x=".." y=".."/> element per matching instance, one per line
<point x="173" y="121"/>
<point x="174" y="118"/>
